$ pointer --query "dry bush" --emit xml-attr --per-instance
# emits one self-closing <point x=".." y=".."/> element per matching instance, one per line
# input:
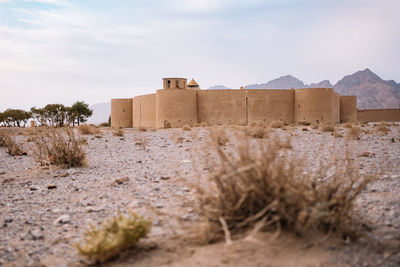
<point x="276" y="124"/>
<point x="186" y="128"/>
<point x="315" y="126"/>
<point x="260" y="186"/>
<point x="253" y="124"/>
<point x="118" y="132"/>
<point x="59" y="147"/>
<point x="348" y="125"/>
<point x="383" y="123"/>
<point x="144" y="129"/>
<point x="3" y="137"/>
<point x="257" y="132"/>
<point x="13" y="148"/>
<point x="304" y="129"/>
<point x="88" y="129"/>
<point x="142" y="142"/>
<point x="328" y="128"/>
<point x="337" y="135"/>
<point x="117" y="234"/>
<point x="304" y="123"/>
<point x="355" y="132"/>
<point x="366" y="154"/>
<point x="383" y="129"/>
<point x="104" y="124"/>
<point x="218" y="136"/>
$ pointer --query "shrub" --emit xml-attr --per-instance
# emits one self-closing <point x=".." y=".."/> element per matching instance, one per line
<point x="304" y="129"/>
<point x="328" y="128"/>
<point x="304" y="123"/>
<point x="88" y="129"/>
<point x="144" y="129"/>
<point x="104" y="124"/>
<point x="257" y="132"/>
<point x="383" y="129"/>
<point x="3" y="136"/>
<point x="186" y="128"/>
<point x="355" y="132"/>
<point x="276" y="124"/>
<point x="13" y="148"/>
<point x="118" y="132"/>
<point x="260" y="185"/>
<point x="59" y="147"/>
<point x="218" y="136"/>
<point x="117" y="234"/>
<point x="348" y="125"/>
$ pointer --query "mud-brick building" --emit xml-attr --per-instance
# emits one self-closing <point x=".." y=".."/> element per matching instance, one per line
<point x="180" y="103"/>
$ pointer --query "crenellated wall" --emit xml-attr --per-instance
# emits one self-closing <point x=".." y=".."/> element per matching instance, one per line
<point x="375" y="115"/>
<point x="316" y="105"/>
<point x="121" y="113"/>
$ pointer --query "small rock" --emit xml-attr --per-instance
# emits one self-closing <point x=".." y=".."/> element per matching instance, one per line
<point x="34" y="188"/>
<point x="35" y="235"/>
<point x="64" y="174"/>
<point x="164" y="177"/>
<point x="1" y="173"/>
<point x="120" y="181"/>
<point x="51" y="186"/>
<point x="63" y="219"/>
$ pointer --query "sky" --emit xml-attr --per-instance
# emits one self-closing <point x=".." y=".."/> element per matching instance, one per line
<point x="58" y="51"/>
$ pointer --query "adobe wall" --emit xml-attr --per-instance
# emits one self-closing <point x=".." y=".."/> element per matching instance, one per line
<point x="375" y="115"/>
<point x="144" y="111"/>
<point x="269" y="105"/>
<point x="316" y="104"/>
<point x="136" y="112"/>
<point x="121" y="112"/>
<point x="221" y="106"/>
<point x="177" y="106"/>
<point x="348" y="108"/>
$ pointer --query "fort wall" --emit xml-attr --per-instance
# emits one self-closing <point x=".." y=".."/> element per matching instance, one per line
<point x="136" y="114"/>
<point x="221" y="106"/>
<point x="270" y="105"/>
<point x="316" y="105"/>
<point x="121" y="112"/>
<point x="176" y="106"/>
<point x="375" y="115"/>
<point x="348" y="108"/>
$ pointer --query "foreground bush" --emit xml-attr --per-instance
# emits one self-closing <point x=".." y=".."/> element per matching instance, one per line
<point x="259" y="184"/>
<point x="116" y="235"/>
<point x="59" y="147"/>
<point x="13" y="148"/>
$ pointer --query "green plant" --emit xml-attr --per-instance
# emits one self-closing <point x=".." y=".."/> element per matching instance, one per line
<point x="59" y="147"/>
<point x="261" y="185"/>
<point x="117" y="234"/>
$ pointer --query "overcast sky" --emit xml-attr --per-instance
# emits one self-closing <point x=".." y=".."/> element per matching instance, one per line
<point x="57" y="51"/>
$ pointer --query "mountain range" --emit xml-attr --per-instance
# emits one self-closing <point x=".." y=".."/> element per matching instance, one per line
<point x="372" y="92"/>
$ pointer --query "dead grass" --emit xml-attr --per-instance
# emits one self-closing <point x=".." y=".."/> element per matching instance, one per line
<point x="355" y="132"/>
<point x="186" y="128"/>
<point x="257" y="132"/>
<point x="383" y="129"/>
<point x="328" y="128"/>
<point x="118" y="132"/>
<point x="88" y="129"/>
<point x="276" y="124"/>
<point x="260" y="186"/>
<point x="117" y="234"/>
<point x="218" y="136"/>
<point x="8" y="141"/>
<point x="59" y="147"/>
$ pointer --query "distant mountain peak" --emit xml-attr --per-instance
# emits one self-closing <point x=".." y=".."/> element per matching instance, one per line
<point x="283" y="82"/>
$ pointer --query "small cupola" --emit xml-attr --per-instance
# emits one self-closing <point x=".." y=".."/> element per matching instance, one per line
<point x="193" y="84"/>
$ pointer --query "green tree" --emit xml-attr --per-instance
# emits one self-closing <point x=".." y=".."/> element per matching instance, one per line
<point x="16" y="117"/>
<point x="79" y="112"/>
<point x="56" y="113"/>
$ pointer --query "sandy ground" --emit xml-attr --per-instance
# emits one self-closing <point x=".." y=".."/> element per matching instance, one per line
<point x="38" y="225"/>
